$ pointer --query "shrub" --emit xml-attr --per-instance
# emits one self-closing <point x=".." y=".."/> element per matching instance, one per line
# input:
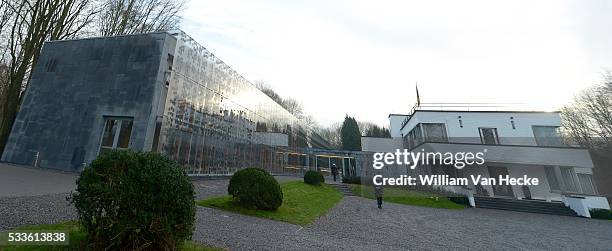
<point x="130" y="200"/>
<point x="459" y="199"/>
<point x="600" y="213"/>
<point x="313" y="178"/>
<point x="255" y="188"/>
<point x="351" y="180"/>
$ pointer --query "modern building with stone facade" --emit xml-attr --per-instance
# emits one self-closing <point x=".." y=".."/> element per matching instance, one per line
<point x="158" y="92"/>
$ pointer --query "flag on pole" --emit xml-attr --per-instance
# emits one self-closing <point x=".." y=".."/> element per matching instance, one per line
<point x="418" y="103"/>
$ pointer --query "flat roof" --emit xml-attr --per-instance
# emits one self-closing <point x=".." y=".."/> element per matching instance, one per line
<point x="462" y="111"/>
<point x="397" y="114"/>
<point x="487" y="111"/>
<point x="113" y="36"/>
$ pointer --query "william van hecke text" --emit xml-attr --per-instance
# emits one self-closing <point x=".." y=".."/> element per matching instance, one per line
<point x="446" y="180"/>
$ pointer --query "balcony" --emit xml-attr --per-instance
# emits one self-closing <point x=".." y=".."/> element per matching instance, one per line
<point x="517" y="154"/>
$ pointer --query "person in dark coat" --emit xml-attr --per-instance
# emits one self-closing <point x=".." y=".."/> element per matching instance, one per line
<point x="378" y="192"/>
<point x="334" y="171"/>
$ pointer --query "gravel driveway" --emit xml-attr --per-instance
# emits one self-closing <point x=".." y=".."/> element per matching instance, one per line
<point x="354" y="224"/>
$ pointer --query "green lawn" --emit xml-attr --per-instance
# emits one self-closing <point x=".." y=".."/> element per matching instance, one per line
<point x="302" y="203"/>
<point x="78" y="238"/>
<point x="407" y="197"/>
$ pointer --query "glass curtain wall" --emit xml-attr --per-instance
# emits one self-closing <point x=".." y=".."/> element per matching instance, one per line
<point x="212" y="114"/>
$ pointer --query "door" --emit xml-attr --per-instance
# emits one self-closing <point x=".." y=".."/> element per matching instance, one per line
<point x="500" y="190"/>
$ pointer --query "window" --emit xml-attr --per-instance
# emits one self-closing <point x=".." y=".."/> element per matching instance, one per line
<point x="547" y="136"/>
<point x="425" y="132"/>
<point x="414" y="137"/>
<point x="586" y="183"/>
<point x="117" y="132"/>
<point x="488" y="136"/>
<point x="551" y="177"/>
<point x="567" y="173"/>
<point x="434" y="132"/>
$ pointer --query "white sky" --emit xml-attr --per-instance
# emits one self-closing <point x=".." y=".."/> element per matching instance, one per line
<point x="363" y="58"/>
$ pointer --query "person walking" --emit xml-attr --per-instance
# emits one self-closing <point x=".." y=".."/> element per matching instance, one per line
<point x="334" y="171"/>
<point x="378" y="192"/>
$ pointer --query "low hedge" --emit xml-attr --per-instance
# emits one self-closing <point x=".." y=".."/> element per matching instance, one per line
<point x="461" y="200"/>
<point x="600" y="213"/>
<point x="352" y="180"/>
<point x="255" y="188"/>
<point x="313" y="178"/>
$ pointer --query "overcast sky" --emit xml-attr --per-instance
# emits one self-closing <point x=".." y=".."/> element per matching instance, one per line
<point x="363" y="58"/>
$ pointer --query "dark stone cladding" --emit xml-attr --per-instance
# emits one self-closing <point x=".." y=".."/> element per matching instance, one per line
<point x="74" y="84"/>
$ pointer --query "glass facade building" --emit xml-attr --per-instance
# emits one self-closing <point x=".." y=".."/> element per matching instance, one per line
<point x="216" y="122"/>
<point x="160" y="92"/>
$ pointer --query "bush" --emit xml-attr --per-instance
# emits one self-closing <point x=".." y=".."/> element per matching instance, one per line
<point x="459" y="199"/>
<point x="600" y="213"/>
<point x="351" y="180"/>
<point x="130" y="200"/>
<point x="313" y="178"/>
<point x="255" y="188"/>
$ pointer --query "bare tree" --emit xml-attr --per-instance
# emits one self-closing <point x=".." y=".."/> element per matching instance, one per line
<point x="331" y="134"/>
<point x="294" y="107"/>
<point x="291" y="105"/>
<point x="28" y="25"/>
<point x="588" y="120"/>
<point x="120" y="17"/>
<point x="266" y="89"/>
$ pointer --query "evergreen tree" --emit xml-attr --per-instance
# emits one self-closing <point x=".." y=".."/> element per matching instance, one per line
<point x="350" y="135"/>
<point x="386" y="133"/>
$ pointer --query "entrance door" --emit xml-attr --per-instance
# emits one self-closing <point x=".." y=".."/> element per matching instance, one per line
<point x="500" y="190"/>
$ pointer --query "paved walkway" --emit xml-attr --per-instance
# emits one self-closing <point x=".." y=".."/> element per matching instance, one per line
<point x="18" y="181"/>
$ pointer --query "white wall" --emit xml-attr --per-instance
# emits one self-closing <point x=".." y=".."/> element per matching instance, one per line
<point x="395" y="123"/>
<point x="521" y="135"/>
<point x="373" y="144"/>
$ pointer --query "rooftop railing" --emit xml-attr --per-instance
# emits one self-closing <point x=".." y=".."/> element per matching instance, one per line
<point x="471" y="107"/>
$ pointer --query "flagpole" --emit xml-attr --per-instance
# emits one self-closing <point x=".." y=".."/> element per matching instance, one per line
<point x="418" y="98"/>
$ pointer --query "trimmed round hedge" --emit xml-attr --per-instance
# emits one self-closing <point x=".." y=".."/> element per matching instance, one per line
<point x="129" y="200"/>
<point x="255" y="188"/>
<point x="313" y="178"/>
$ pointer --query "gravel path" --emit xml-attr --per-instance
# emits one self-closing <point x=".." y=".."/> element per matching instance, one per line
<point x="356" y="224"/>
<point x="33" y="210"/>
<point x="41" y="203"/>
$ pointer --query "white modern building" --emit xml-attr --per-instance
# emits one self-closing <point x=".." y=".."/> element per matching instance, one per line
<point x="515" y="143"/>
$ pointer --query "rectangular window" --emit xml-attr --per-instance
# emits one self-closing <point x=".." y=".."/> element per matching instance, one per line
<point x="488" y="136"/>
<point x="547" y="136"/>
<point x="553" y="183"/>
<point x="434" y="132"/>
<point x="567" y="173"/>
<point x="586" y="183"/>
<point x="415" y="137"/>
<point x="117" y="133"/>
